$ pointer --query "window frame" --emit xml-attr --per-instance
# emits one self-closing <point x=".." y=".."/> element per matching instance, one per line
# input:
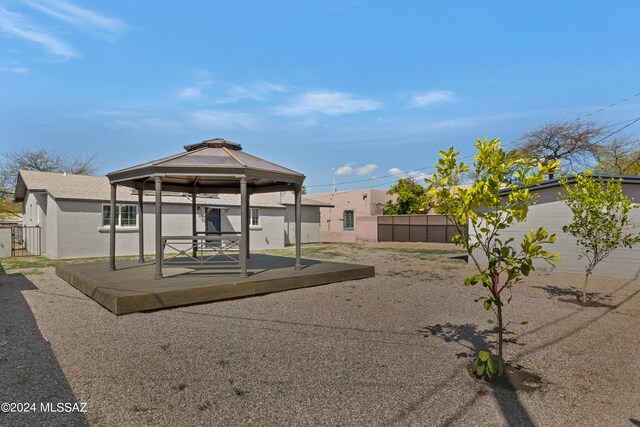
<point x="257" y="217"/>
<point x="105" y="219"/>
<point x="344" y="220"/>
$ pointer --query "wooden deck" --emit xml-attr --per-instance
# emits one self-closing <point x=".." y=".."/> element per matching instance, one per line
<point x="132" y="288"/>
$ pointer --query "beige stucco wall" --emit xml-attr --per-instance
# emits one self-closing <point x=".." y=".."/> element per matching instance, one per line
<point x="367" y="227"/>
<point x="363" y="203"/>
<point x="553" y="214"/>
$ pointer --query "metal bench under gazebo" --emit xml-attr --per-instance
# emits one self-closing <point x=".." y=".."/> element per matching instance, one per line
<point x="210" y="167"/>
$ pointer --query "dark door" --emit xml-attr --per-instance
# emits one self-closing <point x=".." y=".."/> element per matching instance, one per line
<point x="212" y="224"/>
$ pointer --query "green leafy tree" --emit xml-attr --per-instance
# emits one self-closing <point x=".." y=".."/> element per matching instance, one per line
<point x="600" y="219"/>
<point x="482" y="212"/>
<point x="410" y="198"/>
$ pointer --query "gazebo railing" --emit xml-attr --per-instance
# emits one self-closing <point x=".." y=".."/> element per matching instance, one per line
<point x="207" y="251"/>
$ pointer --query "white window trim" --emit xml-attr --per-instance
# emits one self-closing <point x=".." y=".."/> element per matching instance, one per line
<point x="257" y="226"/>
<point x="105" y="228"/>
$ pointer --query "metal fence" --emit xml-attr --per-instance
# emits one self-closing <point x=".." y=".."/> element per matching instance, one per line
<point x="415" y="228"/>
<point x="25" y="241"/>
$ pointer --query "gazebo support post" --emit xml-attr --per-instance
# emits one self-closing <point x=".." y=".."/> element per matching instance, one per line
<point x="159" y="249"/>
<point x="141" y="225"/>
<point x="112" y="229"/>
<point x="248" y="225"/>
<point x="298" y="214"/>
<point x="244" y="236"/>
<point x="193" y="221"/>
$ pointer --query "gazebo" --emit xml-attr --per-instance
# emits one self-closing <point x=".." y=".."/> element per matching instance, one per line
<point x="214" y="166"/>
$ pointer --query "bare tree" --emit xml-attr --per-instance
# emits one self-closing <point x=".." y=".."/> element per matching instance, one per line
<point x="573" y="143"/>
<point x="40" y="160"/>
<point x="620" y="156"/>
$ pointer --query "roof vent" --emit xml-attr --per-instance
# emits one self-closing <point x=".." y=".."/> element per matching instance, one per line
<point x="214" y="143"/>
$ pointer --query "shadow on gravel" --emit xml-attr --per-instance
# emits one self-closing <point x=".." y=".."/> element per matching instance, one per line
<point x="467" y="335"/>
<point x="29" y="371"/>
<point x="573" y="295"/>
<point x="471" y="337"/>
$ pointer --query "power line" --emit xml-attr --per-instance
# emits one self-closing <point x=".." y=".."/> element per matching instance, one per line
<point x="634" y="121"/>
<point x="399" y="175"/>
<point x="616" y="124"/>
<point x="610" y="105"/>
<point x="629" y="123"/>
<point x="370" y="179"/>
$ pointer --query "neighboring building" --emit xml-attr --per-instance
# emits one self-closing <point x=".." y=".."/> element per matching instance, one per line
<point x="72" y="212"/>
<point x="552" y="213"/>
<point x="352" y="216"/>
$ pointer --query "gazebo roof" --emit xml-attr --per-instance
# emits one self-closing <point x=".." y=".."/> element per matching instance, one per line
<point x="214" y="166"/>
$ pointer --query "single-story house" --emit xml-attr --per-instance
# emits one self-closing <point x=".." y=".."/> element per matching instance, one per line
<point x="351" y="215"/>
<point x="73" y="212"/>
<point x="552" y="213"/>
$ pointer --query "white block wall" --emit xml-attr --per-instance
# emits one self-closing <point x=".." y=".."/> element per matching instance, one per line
<point x="553" y="214"/>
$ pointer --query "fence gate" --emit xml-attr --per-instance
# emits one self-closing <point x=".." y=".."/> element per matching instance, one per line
<point x="25" y="241"/>
<point x="415" y="228"/>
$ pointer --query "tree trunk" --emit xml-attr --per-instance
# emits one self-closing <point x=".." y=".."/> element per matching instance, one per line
<point x="500" y="359"/>
<point x="584" y="288"/>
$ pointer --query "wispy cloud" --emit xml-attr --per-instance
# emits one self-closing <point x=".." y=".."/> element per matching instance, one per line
<point x="18" y="25"/>
<point x="349" y="168"/>
<point x="191" y="92"/>
<point x="224" y="93"/>
<point x="431" y="97"/>
<point x="327" y="102"/>
<point x="79" y="17"/>
<point x="395" y="171"/>
<point x="415" y="175"/>
<point x="196" y="91"/>
<point x="345" y="170"/>
<point x="366" y="169"/>
<point x="23" y="27"/>
<point x="14" y="70"/>
<point x="257" y="92"/>
<point x="216" y="119"/>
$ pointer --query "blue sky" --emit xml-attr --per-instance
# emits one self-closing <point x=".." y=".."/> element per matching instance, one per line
<point x="351" y="90"/>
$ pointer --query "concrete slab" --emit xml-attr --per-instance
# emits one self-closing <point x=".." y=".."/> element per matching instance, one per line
<point x="132" y="287"/>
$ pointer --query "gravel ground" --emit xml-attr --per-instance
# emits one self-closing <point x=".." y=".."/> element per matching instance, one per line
<point x="389" y="350"/>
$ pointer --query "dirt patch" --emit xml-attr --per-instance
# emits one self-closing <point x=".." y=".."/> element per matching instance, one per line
<point x="515" y="378"/>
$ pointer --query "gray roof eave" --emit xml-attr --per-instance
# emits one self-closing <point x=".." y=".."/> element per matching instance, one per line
<point x="149" y="171"/>
<point x="626" y="179"/>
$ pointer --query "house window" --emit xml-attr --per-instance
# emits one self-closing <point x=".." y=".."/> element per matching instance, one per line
<point x="347" y="220"/>
<point x="254" y="217"/>
<point x="126" y="215"/>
